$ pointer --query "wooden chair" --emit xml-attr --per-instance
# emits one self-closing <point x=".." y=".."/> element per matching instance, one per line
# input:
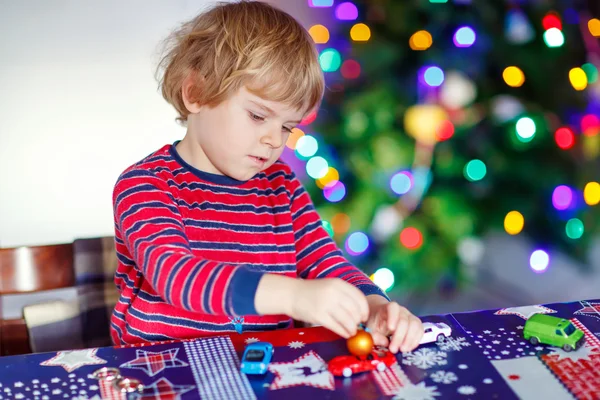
<point x="30" y="270"/>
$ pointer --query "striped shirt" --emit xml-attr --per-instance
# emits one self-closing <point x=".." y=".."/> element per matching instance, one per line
<point x="192" y="247"/>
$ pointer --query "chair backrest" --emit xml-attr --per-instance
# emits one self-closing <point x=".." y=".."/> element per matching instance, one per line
<point x="57" y="297"/>
<point x="36" y="268"/>
<point x="29" y="270"/>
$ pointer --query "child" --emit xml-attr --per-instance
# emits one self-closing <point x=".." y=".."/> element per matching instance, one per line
<point x="214" y="233"/>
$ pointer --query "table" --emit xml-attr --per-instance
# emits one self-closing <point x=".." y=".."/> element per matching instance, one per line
<point x="486" y="358"/>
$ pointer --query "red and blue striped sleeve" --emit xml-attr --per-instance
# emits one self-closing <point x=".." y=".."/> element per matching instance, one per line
<point x="149" y="222"/>
<point x="317" y="255"/>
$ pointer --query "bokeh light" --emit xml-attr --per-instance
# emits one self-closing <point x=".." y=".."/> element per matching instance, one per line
<point x="332" y="175"/>
<point x="350" y="69"/>
<point x="330" y="60"/>
<point x="525" y="129"/>
<point x="411" y="238"/>
<point x="590" y="125"/>
<point x="360" y="33"/>
<point x="475" y="170"/>
<point x="591" y="72"/>
<point x="564" y="137"/>
<point x="446" y="130"/>
<point x="423" y="122"/>
<point x="594" y="26"/>
<point x="514" y="222"/>
<point x="346" y="11"/>
<point x="574" y="228"/>
<point x="306" y="146"/>
<point x="554" y="37"/>
<point x="320" y="3"/>
<point x="340" y="223"/>
<point x="551" y="20"/>
<point x="539" y="261"/>
<point x="433" y="76"/>
<point x="327" y="226"/>
<point x="401" y="182"/>
<point x="464" y="37"/>
<point x="357" y="243"/>
<point x="384" y="278"/>
<point x="319" y="33"/>
<point x="317" y="167"/>
<point x="562" y="196"/>
<point x="310" y="118"/>
<point x="591" y="193"/>
<point x="518" y="29"/>
<point x="513" y="76"/>
<point x="420" y="40"/>
<point x="578" y="78"/>
<point x="334" y="191"/>
<point x="292" y="141"/>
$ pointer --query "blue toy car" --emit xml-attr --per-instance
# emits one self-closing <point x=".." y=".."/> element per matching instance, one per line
<point x="256" y="358"/>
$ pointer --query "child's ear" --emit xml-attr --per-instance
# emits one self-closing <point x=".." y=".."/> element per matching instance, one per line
<point x="190" y="92"/>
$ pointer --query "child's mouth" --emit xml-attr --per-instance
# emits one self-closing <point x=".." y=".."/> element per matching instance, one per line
<point x="259" y="160"/>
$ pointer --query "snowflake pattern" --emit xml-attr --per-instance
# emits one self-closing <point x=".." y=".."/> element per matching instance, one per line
<point x="416" y="392"/>
<point x="445" y="377"/>
<point x="296" y="344"/>
<point x="452" y="343"/>
<point x="466" y="390"/>
<point x="251" y="340"/>
<point x="425" y="358"/>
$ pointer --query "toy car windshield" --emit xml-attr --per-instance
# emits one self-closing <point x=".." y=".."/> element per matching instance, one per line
<point x="255" y="355"/>
<point x="569" y="329"/>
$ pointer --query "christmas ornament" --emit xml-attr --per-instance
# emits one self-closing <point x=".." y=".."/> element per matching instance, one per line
<point x="360" y="344"/>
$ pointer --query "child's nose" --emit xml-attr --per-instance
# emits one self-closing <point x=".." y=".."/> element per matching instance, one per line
<point x="273" y="138"/>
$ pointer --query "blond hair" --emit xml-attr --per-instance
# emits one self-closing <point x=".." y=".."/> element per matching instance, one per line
<point x="246" y="43"/>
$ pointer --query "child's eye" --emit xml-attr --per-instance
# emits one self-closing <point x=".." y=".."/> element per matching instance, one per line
<point x="255" y="117"/>
<point x="286" y="129"/>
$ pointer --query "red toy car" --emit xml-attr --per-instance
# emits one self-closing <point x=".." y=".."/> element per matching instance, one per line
<point x="379" y="359"/>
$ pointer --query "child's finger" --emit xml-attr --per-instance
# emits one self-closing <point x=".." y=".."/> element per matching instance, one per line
<point x="333" y="325"/>
<point x="399" y="334"/>
<point x="380" y="339"/>
<point x="394" y="313"/>
<point x="360" y="300"/>
<point x="413" y="334"/>
<point x="420" y="333"/>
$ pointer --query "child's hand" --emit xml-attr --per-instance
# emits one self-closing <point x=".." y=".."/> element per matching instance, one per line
<point x="391" y="319"/>
<point x="331" y="302"/>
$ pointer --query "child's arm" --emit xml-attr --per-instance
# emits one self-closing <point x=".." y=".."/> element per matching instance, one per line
<point x="149" y="224"/>
<point x="317" y="255"/>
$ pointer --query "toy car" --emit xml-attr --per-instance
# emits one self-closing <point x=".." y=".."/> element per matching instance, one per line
<point x="379" y="359"/>
<point x="435" y="332"/>
<point x="256" y="358"/>
<point x="558" y="332"/>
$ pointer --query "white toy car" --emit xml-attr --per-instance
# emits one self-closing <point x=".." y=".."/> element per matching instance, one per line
<point x="435" y="332"/>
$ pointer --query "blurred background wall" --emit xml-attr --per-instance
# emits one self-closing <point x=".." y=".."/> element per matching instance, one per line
<point x="454" y="160"/>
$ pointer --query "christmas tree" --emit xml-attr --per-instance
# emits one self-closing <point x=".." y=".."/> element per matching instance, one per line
<point x="444" y="121"/>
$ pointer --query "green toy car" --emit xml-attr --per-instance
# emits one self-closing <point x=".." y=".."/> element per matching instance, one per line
<point x="558" y="332"/>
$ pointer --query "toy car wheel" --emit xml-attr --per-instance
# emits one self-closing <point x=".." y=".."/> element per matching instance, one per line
<point x="567" y="347"/>
<point x="381" y="367"/>
<point x="533" y="340"/>
<point x="441" y="338"/>
<point x="347" y="372"/>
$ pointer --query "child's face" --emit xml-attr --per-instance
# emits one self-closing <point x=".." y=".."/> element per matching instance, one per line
<point x="243" y="135"/>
